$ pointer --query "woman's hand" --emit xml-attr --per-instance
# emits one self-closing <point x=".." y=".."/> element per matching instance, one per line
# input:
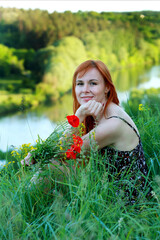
<point x="27" y="160"/>
<point x="91" y="108"/>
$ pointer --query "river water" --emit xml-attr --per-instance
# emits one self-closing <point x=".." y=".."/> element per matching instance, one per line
<point x="21" y="128"/>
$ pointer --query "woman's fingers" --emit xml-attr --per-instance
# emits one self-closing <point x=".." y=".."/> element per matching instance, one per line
<point x="27" y="161"/>
<point x="98" y="112"/>
<point x="92" y="108"/>
<point x="95" y="109"/>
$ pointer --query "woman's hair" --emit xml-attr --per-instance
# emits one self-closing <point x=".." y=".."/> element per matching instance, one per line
<point x="102" y="68"/>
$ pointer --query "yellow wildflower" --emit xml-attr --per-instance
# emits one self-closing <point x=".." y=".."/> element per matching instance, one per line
<point x="93" y="133"/>
<point x="141" y="107"/>
<point x="12" y="153"/>
<point x="82" y="124"/>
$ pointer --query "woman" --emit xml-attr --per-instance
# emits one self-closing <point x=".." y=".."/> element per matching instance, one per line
<point x="96" y="104"/>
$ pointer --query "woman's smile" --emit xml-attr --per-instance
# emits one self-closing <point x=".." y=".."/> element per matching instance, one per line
<point x="87" y="98"/>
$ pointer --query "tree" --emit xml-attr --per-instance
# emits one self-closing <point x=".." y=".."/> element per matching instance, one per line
<point x="59" y="69"/>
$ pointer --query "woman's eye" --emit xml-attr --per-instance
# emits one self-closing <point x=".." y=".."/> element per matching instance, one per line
<point x="93" y="83"/>
<point x="79" y="84"/>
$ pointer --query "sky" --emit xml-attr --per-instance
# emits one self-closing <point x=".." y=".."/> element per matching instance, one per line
<point x="83" y="5"/>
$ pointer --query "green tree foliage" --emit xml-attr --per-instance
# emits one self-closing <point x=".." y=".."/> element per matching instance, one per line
<point x="58" y="68"/>
<point x="149" y="51"/>
<point x="37" y="29"/>
<point x="27" y="55"/>
<point x="26" y="29"/>
<point x="40" y="61"/>
<point x="46" y="48"/>
<point x="119" y="48"/>
<point x="9" y="63"/>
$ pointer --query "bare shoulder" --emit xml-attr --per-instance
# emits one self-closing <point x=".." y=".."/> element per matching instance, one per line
<point x="117" y="111"/>
<point x="110" y="121"/>
<point x="112" y="131"/>
<point x="111" y="125"/>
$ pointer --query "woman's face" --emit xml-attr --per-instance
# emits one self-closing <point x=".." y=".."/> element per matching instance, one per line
<point x="91" y="86"/>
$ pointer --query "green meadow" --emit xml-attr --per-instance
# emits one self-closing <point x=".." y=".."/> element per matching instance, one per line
<point x="82" y="205"/>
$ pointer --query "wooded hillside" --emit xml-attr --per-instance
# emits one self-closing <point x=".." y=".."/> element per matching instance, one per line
<point x="40" y="51"/>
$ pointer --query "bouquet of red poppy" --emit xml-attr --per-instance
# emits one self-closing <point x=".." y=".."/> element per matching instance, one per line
<point x="59" y="145"/>
<point x="75" y="148"/>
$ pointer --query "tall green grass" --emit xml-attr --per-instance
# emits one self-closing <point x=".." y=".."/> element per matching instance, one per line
<point x="83" y="205"/>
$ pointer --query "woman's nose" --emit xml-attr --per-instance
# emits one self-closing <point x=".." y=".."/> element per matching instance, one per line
<point x="86" y="88"/>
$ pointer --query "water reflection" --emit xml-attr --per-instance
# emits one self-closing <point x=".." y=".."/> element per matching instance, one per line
<point x="126" y="79"/>
<point x="59" y="111"/>
<point x="153" y="77"/>
<point x="143" y="78"/>
<point x="19" y="129"/>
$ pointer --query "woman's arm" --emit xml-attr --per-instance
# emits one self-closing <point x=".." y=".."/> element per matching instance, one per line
<point x="104" y="134"/>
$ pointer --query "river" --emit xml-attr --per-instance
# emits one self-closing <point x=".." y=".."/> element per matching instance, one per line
<point x="21" y="128"/>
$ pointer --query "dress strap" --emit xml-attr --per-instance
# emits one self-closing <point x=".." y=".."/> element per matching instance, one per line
<point x="127" y="123"/>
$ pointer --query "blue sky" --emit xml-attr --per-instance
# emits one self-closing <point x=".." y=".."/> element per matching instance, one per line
<point x="75" y="5"/>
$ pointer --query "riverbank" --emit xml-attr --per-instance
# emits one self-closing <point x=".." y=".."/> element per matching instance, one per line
<point x="27" y="99"/>
<point x="11" y="103"/>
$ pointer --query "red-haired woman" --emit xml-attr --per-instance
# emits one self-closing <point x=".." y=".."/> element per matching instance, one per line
<point x="96" y="104"/>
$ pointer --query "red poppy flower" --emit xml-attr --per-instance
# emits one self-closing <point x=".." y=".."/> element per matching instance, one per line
<point x="73" y="120"/>
<point x="77" y="140"/>
<point x="72" y="152"/>
<point x="77" y="149"/>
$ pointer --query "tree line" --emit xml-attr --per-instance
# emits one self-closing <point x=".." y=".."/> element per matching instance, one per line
<point x="38" y="29"/>
<point x="44" y="49"/>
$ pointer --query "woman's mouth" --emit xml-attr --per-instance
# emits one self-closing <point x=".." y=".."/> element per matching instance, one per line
<point x="87" y="98"/>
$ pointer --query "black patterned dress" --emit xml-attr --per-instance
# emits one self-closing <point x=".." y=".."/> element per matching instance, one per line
<point x="131" y="164"/>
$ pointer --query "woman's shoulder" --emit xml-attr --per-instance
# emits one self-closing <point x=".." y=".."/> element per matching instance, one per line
<point x="110" y="125"/>
<point x="118" y="116"/>
<point x="115" y="110"/>
<point x="123" y="128"/>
